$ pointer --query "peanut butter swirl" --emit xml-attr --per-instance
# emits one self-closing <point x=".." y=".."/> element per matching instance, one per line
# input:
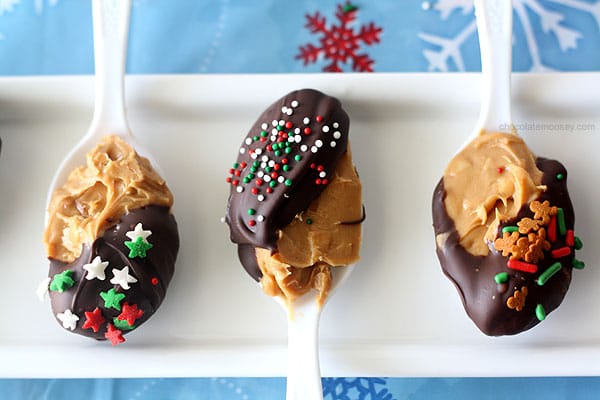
<point x="114" y="181"/>
<point x="487" y="183"/>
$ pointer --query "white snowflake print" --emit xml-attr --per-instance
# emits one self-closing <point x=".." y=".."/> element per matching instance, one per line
<point x="550" y="15"/>
<point x="7" y="6"/>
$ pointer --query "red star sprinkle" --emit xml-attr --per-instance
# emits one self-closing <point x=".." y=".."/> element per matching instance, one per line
<point x="130" y="313"/>
<point x="114" y="335"/>
<point x="93" y="320"/>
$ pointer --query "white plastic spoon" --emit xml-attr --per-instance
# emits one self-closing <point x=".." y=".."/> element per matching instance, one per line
<point x="304" y="371"/>
<point x="111" y="28"/>
<point x="494" y="25"/>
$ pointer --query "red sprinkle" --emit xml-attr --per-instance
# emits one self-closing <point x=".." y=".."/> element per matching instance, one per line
<point x="276" y="167"/>
<point x="114" y="335"/>
<point x="228" y="180"/>
<point x="269" y="190"/>
<point x="552" y="229"/>
<point x="243" y="165"/>
<point x="318" y="181"/>
<point x="319" y="118"/>
<point x="320" y="168"/>
<point x="237" y="172"/>
<point x="307" y="131"/>
<point x="570" y="239"/>
<point x="500" y="170"/>
<point x="263" y="139"/>
<point x="235" y="182"/>
<point x="313" y="166"/>
<point x="325" y="182"/>
<point x="274" y="175"/>
<point x="258" y="182"/>
<point x="252" y="222"/>
<point x="284" y="161"/>
<point x="231" y="170"/>
<point x="154" y="281"/>
<point x="562" y="252"/>
<point x="254" y="190"/>
<point x="269" y="147"/>
<point x="289" y="124"/>
<point x="522" y="266"/>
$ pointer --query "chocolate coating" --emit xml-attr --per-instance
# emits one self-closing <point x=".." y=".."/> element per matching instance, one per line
<point x="317" y="120"/>
<point x="153" y="272"/>
<point x="484" y="300"/>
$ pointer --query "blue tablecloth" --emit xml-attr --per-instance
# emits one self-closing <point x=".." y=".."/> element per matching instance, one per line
<point x="45" y="37"/>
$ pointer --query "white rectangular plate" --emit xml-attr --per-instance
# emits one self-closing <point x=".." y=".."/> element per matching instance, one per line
<point x="396" y="316"/>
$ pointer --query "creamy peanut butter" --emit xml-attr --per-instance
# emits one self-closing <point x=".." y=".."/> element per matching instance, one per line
<point x="327" y="234"/>
<point x="114" y="181"/>
<point x="486" y="183"/>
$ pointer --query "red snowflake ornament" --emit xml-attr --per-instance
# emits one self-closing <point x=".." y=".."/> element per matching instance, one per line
<point x="340" y="43"/>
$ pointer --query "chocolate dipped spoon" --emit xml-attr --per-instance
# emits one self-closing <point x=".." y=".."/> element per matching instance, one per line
<point x="110" y="235"/>
<point x="503" y="219"/>
<point x="295" y="212"/>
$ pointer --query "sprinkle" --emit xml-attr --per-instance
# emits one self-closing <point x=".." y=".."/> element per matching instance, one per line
<point x="122" y="325"/>
<point x="560" y="176"/>
<point x="510" y="229"/>
<point x="260" y="218"/>
<point x="552" y="229"/>
<point x="112" y="299"/>
<point x="274" y="122"/>
<point x="294" y="103"/>
<point x="562" y="252"/>
<point x="130" y="313"/>
<point x="570" y="239"/>
<point x="260" y="197"/>
<point x="314" y="149"/>
<point x="521" y="266"/>
<point x="540" y="312"/>
<point x="337" y="135"/>
<point x="284" y="109"/>
<point x="281" y="179"/>
<point x="578" y="264"/>
<point x="325" y="182"/>
<point x="547" y="274"/>
<point x="264" y="126"/>
<point x="251" y="211"/>
<point x="307" y="131"/>
<point x="286" y="168"/>
<point x="500" y="170"/>
<point x="252" y="222"/>
<point x="306" y="120"/>
<point x="303" y="148"/>
<point x="239" y="189"/>
<point x="336" y="125"/>
<point x="93" y="319"/>
<point x="332" y="143"/>
<point x="248" y="141"/>
<point x="578" y="243"/>
<point x="325" y="129"/>
<point x="122" y="278"/>
<point x="319" y="143"/>
<point x="243" y="150"/>
<point x="309" y="221"/>
<point x="562" y="228"/>
<point x="154" y="281"/>
<point x="288" y="182"/>
<point x="501" y="277"/>
<point x="139" y="247"/>
<point x="42" y="290"/>
<point x="114" y="335"/>
<point x="63" y="281"/>
<point x="281" y="122"/>
<point x="322" y="174"/>
<point x="318" y="181"/>
<point x="68" y="319"/>
<point x="319" y="118"/>
<point x="254" y="190"/>
<point x="297" y="139"/>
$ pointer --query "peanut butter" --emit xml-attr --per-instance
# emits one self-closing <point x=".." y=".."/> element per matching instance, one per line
<point x="327" y="234"/>
<point x="114" y="181"/>
<point x="487" y="183"/>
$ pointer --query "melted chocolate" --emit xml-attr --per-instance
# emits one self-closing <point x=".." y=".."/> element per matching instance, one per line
<point x="153" y="272"/>
<point x="484" y="300"/>
<point x="296" y="134"/>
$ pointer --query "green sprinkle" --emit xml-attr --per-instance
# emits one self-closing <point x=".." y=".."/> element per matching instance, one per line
<point x="122" y="324"/>
<point x="235" y="165"/>
<point x="578" y="243"/>
<point x="112" y="299"/>
<point x="578" y="264"/>
<point x="268" y="169"/>
<point x="349" y="7"/>
<point x="308" y="221"/>
<point x="277" y="153"/>
<point x="138" y="248"/>
<point x="560" y="176"/>
<point x="547" y="274"/>
<point x="63" y="281"/>
<point x="255" y="138"/>
<point x="501" y="277"/>
<point x="288" y="182"/>
<point x="251" y="176"/>
<point x="263" y="133"/>
<point x="562" y="227"/>
<point x="256" y="164"/>
<point x="246" y="180"/>
<point x="253" y="169"/>
<point x="273" y="184"/>
<point x="510" y="229"/>
<point x="287" y="144"/>
<point x="297" y="157"/>
<point x="540" y="312"/>
<point x="275" y="146"/>
<point x="279" y="127"/>
<point x="288" y="150"/>
<point x="251" y="211"/>
<point x="286" y="168"/>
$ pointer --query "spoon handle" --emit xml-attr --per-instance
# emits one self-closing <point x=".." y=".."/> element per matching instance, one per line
<point x="494" y="24"/>
<point x="304" y="373"/>
<point x="111" y="28"/>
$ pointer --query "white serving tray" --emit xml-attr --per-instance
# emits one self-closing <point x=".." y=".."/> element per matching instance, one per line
<point x="396" y="316"/>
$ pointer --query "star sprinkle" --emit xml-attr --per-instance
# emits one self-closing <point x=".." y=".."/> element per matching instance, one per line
<point x="137" y="232"/>
<point x="122" y="325"/>
<point x="122" y="278"/>
<point x="42" y="289"/>
<point x="93" y="320"/>
<point x="112" y="299"/>
<point x="114" y="335"/>
<point x="95" y="269"/>
<point x="68" y="319"/>
<point x="130" y="313"/>
<point x="62" y="281"/>
<point x="138" y="247"/>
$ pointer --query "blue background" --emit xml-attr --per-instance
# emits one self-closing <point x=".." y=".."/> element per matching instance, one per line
<point x="54" y="37"/>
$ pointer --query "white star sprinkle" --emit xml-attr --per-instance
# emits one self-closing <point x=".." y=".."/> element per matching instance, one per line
<point x="42" y="289"/>
<point x="68" y="319"/>
<point x="95" y="269"/>
<point x="137" y="232"/>
<point x="122" y="278"/>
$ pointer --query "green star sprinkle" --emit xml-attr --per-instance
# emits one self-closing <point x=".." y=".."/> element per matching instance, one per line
<point x="122" y="324"/>
<point x="112" y="299"/>
<point x="62" y="281"/>
<point x="138" y="248"/>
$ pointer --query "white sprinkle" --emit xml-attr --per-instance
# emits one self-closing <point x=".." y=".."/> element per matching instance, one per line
<point x="319" y="143"/>
<point x="281" y="122"/>
<point x="222" y="220"/>
<point x="242" y="150"/>
<point x="260" y="173"/>
<point x="322" y="174"/>
<point x="314" y="149"/>
<point x="253" y="156"/>
<point x="258" y="151"/>
<point x="264" y="159"/>
<point x="274" y="131"/>
<point x="325" y="128"/>
<point x="284" y="109"/>
<point x="264" y="126"/>
<point x="272" y="163"/>
<point x="337" y="135"/>
<point x="336" y="125"/>
<point x="273" y="138"/>
<point x="260" y="197"/>
<point x="297" y="131"/>
<point x="274" y="122"/>
<point x="260" y="218"/>
<point x="333" y="143"/>
<point x="290" y="139"/>
<point x="239" y="189"/>
<point x="297" y="138"/>
<point x="289" y="111"/>
<point x="267" y="178"/>
<point x="303" y="147"/>
<point x="294" y="103"/>
<point x="306" y="120"/>
<point x="280" y="179"/>
<point x="248" y="141"/>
